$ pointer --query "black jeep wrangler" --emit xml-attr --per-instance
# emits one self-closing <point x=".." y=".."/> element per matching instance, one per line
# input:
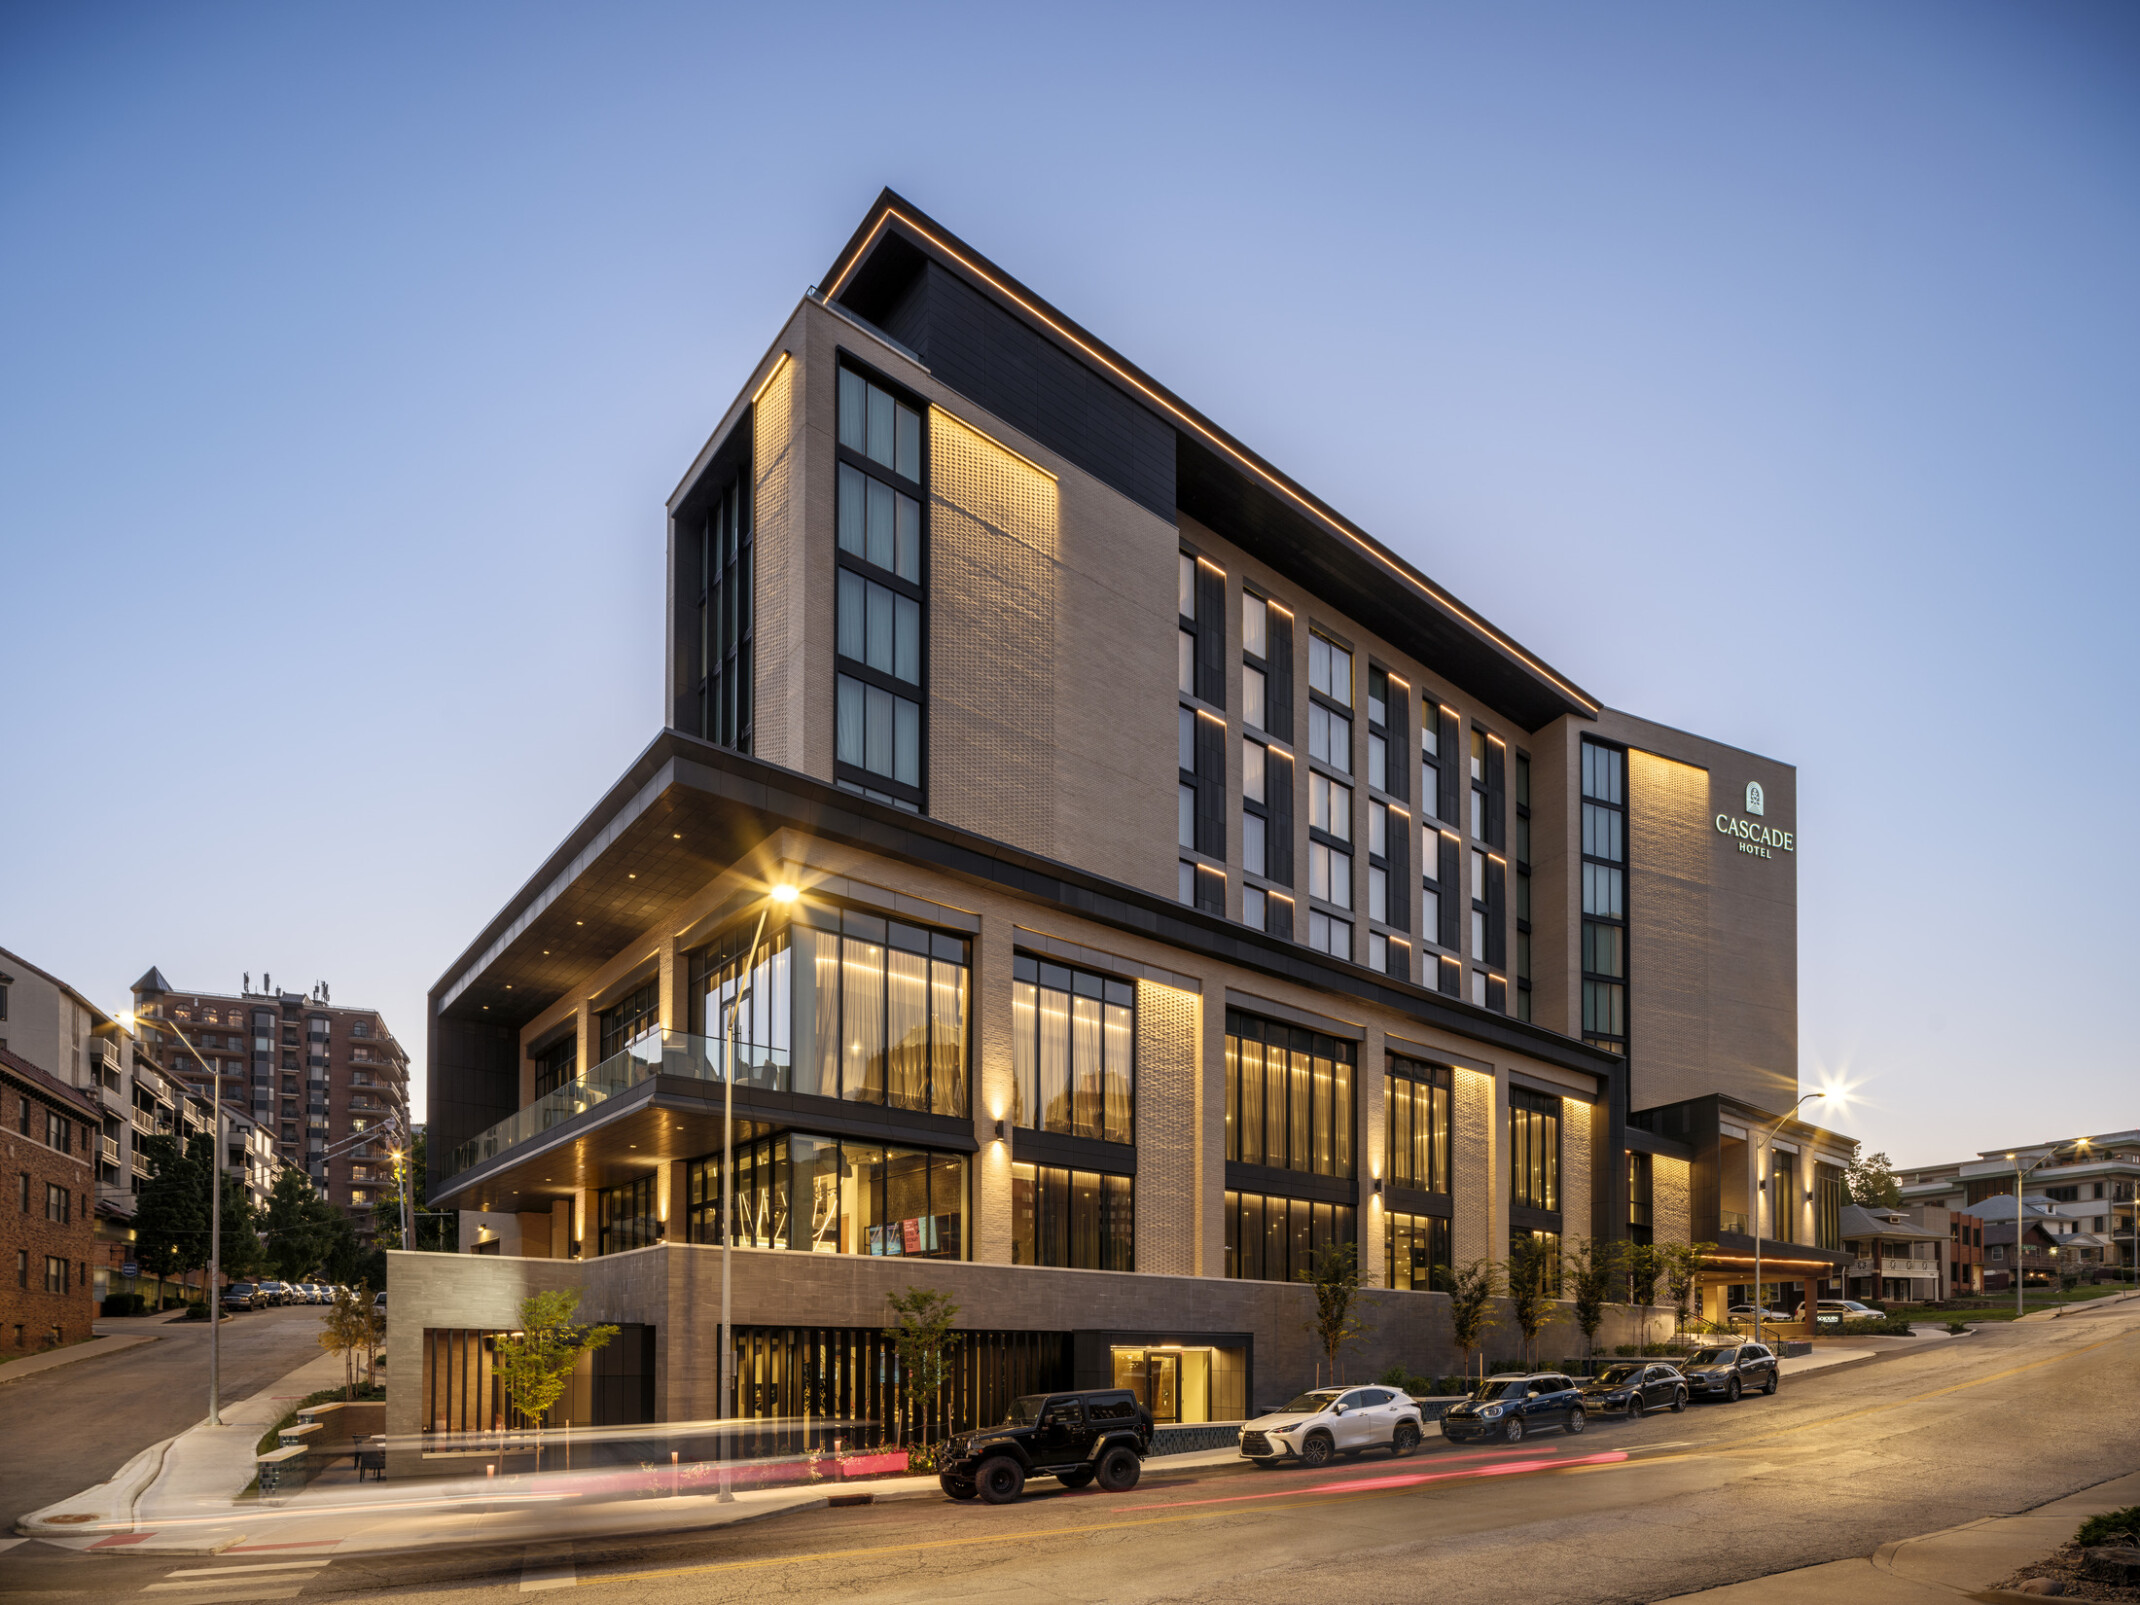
<point x="1076" y="1438"/>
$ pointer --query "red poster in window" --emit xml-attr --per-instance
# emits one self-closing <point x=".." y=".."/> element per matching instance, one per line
<point x="912" y="1230"/>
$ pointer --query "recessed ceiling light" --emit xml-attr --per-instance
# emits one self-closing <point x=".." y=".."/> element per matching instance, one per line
<point x="676" y="836"/>
<point x="579" y="922"/>
<point x="631" y="877"/>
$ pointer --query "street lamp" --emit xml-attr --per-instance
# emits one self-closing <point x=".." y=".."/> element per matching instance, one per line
<point x="784" y="895"/>
<point x="215" y="1215"/>
<point x="1761" y="1197"/>
<point x="2021" y="1175"/>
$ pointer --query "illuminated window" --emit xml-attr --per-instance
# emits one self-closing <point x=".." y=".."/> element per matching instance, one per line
<point x="882" y="596"/>
<point x="1604" y="805"/>
<point x="1073" y="1051"/>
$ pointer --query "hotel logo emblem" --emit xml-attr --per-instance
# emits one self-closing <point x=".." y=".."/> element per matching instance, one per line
<point x="1754" y="799"/>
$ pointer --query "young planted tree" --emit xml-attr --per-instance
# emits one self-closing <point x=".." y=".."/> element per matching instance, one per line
<point x="1644" y="1265"/>
<point x="1532" y="1283"/>
<point x="1594" y="1275"/>
<point x="349" y="1328"/>
<point x="1472" y="1289"/>
<point x="535" y="1364"/>
<point x="1683" y="1276"/>
<point x="922" y="1338"/>
<point x="1334" y="1273"/>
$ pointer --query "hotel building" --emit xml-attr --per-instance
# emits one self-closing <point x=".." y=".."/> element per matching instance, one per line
<point x="1414" y="945"/>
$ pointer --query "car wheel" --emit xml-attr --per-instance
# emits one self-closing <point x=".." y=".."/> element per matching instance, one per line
<point x="1080" y="1478"/>
<point x="1635" y="1407"/>
<point x="1732" y="1390"/>
<point x="1000" y="1480"/>
<point x="1405" y="1439"/>
<point x="1578" y="1419"/>
<point x="1679" y="1400"/>
<point x="1770" y="1387"/>
<point x="1119" y="1470"/>
<point x="1317" y="1450"/>
<point x="1513" y="1431"/>
<point x="954" y="1487"/>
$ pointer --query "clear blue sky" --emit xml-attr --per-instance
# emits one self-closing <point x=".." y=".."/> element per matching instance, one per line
<point x="1773" y="371"/>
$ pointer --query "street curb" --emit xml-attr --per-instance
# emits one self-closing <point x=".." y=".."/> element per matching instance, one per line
<point x="126" y="1486"/>
<point x="120" y="1342"/>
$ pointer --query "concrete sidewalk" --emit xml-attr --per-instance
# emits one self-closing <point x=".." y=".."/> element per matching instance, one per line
<point x="16" y="1370"/>
<point x="1960" y="1563"/>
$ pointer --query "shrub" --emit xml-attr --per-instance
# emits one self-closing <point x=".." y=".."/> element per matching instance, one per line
<point x="1957" y="1327"/>
<point x="1878" y="1326"/>
<point x="1626" y="1351"/>
<point x="2118" y="1527"/>
<point x="1396" y="1377"/>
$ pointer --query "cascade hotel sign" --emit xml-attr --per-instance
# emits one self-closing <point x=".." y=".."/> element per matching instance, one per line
<point x="1762" y="841"/>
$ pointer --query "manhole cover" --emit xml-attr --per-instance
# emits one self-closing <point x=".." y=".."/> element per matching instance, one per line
<point x="68" y="1521"/>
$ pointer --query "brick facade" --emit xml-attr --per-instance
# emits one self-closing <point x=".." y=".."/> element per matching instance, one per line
<point x="48" y="1141"/>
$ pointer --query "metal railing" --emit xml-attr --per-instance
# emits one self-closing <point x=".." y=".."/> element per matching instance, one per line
<point x="658" y="1053"/>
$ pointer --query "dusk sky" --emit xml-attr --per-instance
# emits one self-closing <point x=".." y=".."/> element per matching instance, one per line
<point x="1773" y="372"/>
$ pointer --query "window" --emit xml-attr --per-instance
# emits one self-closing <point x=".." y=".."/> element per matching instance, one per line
<point x="1417" y="1099"/>
<point x="1545" y="1245"/>
<point x="630" y="1018"/>
<point x="1641" y="1189"/>
<point x="59" y="1204"/>
<point x="1605" y="897"/>
<point x="1523" y="886"/>
<point x="882" y="593"/>
<point x="1276" y="1239"/>
<point x="1080" y="1219"/>
<point x="1828" y="1200"/>
<point x="1073" y="1051"/>
<point x="829" y="1195"/>
<point x="22" y="1267"/>
<point x="1266" y="830"/>
<point x="1267" y="666"/>
<point x="1534" y="1149"/>
<point x="1202" y="640"/>
<point x="59" y="1132"/>
<point x="626" y="1217"/>
<point x="1289" y="1097"/>
<point x="1330" y="670"/>
<point x="55" y="1274"/>
<point x="557" y="1064"/>
<point x="1415" y="1249"/>
<point x="1329" y="934"/>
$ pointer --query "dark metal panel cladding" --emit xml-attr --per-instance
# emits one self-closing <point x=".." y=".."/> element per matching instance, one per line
<point x="1497" y="913"/>
<point x="1451" y="807"/>
<point x="1398" y="734"/>
<point x="986" y="354"/>
<point x="474" y="1082"/>
<point x="1210" y="787"/>
<point x="1454" y="902"/>
<point x="1278" y="834"/>
<point x="1496" y="794"/>
<point x="1278" y="671"/>
<point x="1210" y="635"/>
<point x="1400" y="873"/>
<point x="1451" y="975"/>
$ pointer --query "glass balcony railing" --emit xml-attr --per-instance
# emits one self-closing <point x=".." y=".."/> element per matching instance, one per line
<point x="1732" y="1220"/>
<point x="658" y="1053"/>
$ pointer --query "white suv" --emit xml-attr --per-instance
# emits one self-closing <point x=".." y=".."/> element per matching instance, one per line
<point x="1327" y="1422"/>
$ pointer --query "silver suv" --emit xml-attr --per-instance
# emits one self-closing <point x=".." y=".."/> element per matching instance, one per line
<point x="1324" y="1423"/>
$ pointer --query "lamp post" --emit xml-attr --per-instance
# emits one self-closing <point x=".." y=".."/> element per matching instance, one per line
<point x="1761" y="1197"/>
<point x="215" y="1217"/>
<point x="780" y="894"/>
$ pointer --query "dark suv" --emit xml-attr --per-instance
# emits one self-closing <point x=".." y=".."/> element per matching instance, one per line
<point x="1726" y="1370"/>
<point x="1076" y="1438"/>
<point x="1511" y="1406"/>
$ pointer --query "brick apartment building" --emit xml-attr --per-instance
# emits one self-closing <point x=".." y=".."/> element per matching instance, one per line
<point x="48" y="1139"/>
<point x="328" y="1083"/>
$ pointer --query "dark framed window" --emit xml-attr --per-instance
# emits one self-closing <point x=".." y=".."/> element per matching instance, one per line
<point x="1828" y="1200"/>
<point x="1270" y="1238"/>
<point x="1073" y="1051"/>
<point x="627" y="1216"/>
<point x="557" y="1064"/>
<point x="1289" y="1097"/>
<point x="1546" y="1245"/>
<point x="1267" y="666"/>
<point x="1533" y="1149"/>
<point x="1417" y="1096"/>
<point x="1641" y="1198"/>
<point x="1079" y="1219"/>
<point x="723" y="557"/>
<point x="1200" y="739"/>
<point x="1489" y="803"/>
<point x="1415" y="1250"/>
<point x="1202" y="647"/>
<point x="1605" y="921"/>
<point x="1523" y="886"/>
<point x="1330" y="694"/>
<point x="881" y="557"/>
<point x="834" y="1195"/>
<point x="630" y="1018"/>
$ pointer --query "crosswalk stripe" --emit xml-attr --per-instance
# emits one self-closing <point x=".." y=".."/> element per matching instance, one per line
<point x="7" y="1544"/>
<point x="236" y="1594"/>
<point x="253" y="1568"/>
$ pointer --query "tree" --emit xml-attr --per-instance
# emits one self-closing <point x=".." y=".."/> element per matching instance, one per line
<point x="1683" y="1275"/>
<point x="352" y="1325"/>
<point x="1644" y="1263"/>
<point x="922" y="1338"/>
<point x="535" y="1364"/>
<point x="296" y="1225"/>
<point x="1472" y="1289"/>
<point x="435" y="1232"/>
<point x="1334" y="1273"/>
<point x="1531" y="1279"/>
<point x="171" y="1221"/>
<point x="1594" y="1268"/>
<point x="1871" y="1180"/>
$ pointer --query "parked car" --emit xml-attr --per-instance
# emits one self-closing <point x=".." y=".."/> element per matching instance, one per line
<point x="241" y="1296"/>
<point x="1634" y="1388"/>
<point x="319" y="1293"/>
<point x="1835" y="1311"/>
<point x="1726" y="1370"/>
<point x="1076" y="1438"/>
<point x="1326" y="1422"/>
<point x="1745" y="1312"/>
<point x="274" y="1294"/>
<point x="1511" y="1406"/>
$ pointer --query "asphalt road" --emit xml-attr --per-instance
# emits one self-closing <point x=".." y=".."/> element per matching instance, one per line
<point x="1838" y="1463"/>
<point x="64" y="1429"/>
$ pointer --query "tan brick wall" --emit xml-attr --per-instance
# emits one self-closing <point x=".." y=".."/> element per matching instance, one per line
<point x="1575" y="1162"/>
<point x="993" y="1089"/>
<point x="1478" y="1117"/>
<point x="1169" y="1106"/>
<point x="1669" y="945"/>
<point x="1670" y="1181"/>
<point x="776" y="709"/>
<point x="993" y="592"/>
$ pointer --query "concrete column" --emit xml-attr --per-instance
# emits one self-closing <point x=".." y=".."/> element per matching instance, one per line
<point x="1576" y="1181"/>
<point x="1369" y="1090"/>
<point x="675" y="1003"/>
<point x="590" y="1040"/>
<point x="988" y="1028"/>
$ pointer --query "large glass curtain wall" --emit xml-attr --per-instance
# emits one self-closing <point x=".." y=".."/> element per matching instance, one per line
<point x="630" y="1018"/>
<point x="845" y="1005"/>
<point x="1271" y="1239"/>
<point x="627" y="1217"/>
<point x="1289" y="1097"/>
<point x="1533" y="1149"/>
<point x="831" y="1196"/>
<point x="1073" y="1051"/>
<point x="1418" y="1099"/>
<point x="1075" y="1218"/>
<point x="1415" y="1248"/>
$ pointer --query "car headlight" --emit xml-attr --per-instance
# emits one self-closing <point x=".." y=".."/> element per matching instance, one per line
<point x="1490" y="1412"/>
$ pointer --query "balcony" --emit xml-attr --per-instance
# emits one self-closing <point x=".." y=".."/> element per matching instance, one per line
<point x="663" y="1053"/>
<point x="109" y="1148"/>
